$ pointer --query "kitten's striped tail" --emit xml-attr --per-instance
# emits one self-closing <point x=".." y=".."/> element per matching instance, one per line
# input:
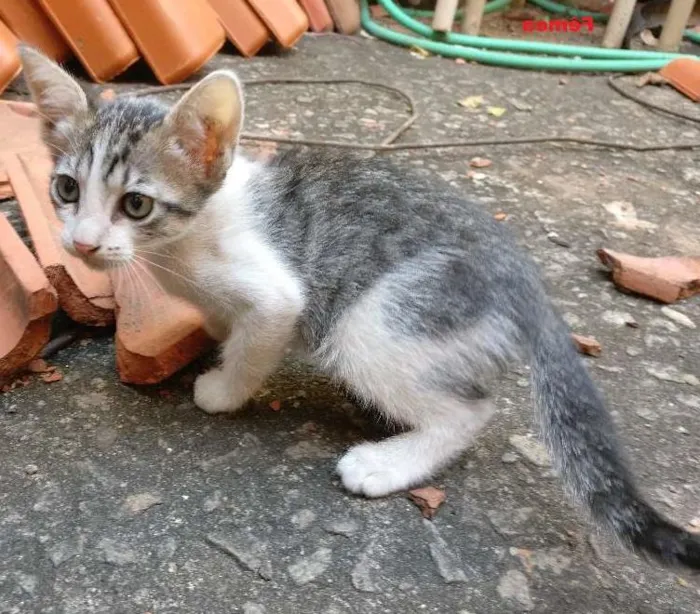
<point x="580" y="437"/>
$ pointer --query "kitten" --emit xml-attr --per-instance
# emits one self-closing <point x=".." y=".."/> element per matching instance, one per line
<point x="411" y="296"/>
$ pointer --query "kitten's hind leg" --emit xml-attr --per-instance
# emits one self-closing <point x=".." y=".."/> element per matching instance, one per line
<point x="428" y="385"/>
<point x="422" y="354"/>
<point x="402" y="461"/>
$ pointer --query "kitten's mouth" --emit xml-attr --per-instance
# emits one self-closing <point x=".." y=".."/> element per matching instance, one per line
<point x="98" y="263"/>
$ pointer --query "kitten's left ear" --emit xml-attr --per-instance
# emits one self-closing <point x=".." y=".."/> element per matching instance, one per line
<point x="206" y="123"/>
<point x="58" y="97"/>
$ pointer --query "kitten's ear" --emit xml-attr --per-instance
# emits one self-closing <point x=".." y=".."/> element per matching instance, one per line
<point x="206" y="123"/>
<point x="58" y="97"/>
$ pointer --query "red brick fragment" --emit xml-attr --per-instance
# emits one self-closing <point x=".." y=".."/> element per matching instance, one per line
<point x="27" y="304"/>
<point x="666" y="279"/>
<point x="428" y="499"/>
<point x="157" y="335"/>
<point x="85" y="295"/>
<point x="684" y="75"/>
<point x="587" y="345"/>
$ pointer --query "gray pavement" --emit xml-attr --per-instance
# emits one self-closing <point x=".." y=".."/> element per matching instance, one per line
<point x="118" y="499"/>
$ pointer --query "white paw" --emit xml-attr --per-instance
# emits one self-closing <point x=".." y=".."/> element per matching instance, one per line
<point x="372" y="470"/>
<point x="213" y="392"/>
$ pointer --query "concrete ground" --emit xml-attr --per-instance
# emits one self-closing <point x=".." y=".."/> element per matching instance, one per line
<point x="123" y="499"/>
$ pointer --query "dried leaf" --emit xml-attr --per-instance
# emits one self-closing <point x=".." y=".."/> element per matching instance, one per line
<point x="496" y="111"/>
<point x="428" y="499"/>
<point x="651" y="78"/>
<point x="419" y="52"/>
<point x="472" y="102"/>
<point x="587" y="345"/>
<point x="19" y="382"/>
<point x="48" y="378"/>
<point x="480" y="162"/>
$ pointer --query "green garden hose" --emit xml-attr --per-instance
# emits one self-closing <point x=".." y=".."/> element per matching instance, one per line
<point x="511" y="53"/>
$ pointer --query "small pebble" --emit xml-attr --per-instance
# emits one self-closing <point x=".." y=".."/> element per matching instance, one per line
<point x="509" y="457"/>
<point x="678" y="317"/>
<point x="31" y="469"/>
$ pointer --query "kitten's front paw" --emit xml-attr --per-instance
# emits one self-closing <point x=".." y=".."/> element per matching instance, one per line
<point x="213" y="392"/>
<point x="368" y="469"/>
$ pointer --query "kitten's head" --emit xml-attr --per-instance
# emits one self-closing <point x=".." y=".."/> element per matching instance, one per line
<point x="131" y="174"/>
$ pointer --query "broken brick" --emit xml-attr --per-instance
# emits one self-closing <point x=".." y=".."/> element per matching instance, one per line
<point x="20" y="128"/>
<point x="285" y="19"/>
<point x="587" y="345"/>
<point x="666" y="279"/>
<point x="84" y="294"/>
<point x="157" y="334"/>
<point x="27" y="303"/>
<point x="428" y="499"/>
<point x="5" y="187"/>
<point x="684" y="75"/>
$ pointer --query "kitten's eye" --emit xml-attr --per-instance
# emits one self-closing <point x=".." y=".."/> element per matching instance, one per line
<point x="137" y="206"/>
<point x="67" y="189"/>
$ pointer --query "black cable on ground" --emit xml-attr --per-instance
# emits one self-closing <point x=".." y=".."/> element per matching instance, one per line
<point x="650" y="105"/>
<point x="389" y="144"/>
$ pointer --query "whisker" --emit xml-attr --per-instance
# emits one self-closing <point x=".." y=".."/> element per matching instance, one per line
<point x="213" y="297"/>
<point x="147" y="290"/>
<point x="160" y="254"/>
<point x="139" y="270"/>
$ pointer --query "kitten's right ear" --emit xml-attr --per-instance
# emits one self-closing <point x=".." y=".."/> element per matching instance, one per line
<point x="205" y="124"/>
<point x="58" y="97"/>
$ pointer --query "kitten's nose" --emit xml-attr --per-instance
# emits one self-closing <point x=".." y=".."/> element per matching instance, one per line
<point x="84" y="248"/>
